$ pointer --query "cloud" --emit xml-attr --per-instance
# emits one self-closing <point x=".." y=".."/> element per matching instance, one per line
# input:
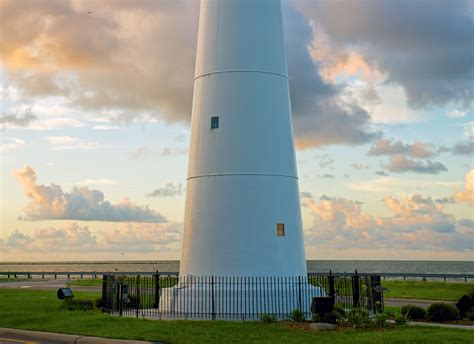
<point x="50" y="202"/>
<point x="10" y="144"/>
<point x="456" y="113"/>
<point x="169" y="151"/>
<point x="105" y="127"/>
<point x="72" y="237"/>
<point x="121" y="64"/>
<point x="382" y="173"/>
<point x="360" y="167"/>
<point x="464" y="148"/>
<point x="140" y="153"/>
<point x="326" y="162"/>
<point x="390" y="147"/>
<point x="70" y="143"/>
<point x="19" y="240"/>
<point x="399" y="163"/>
<point x="101" y="181"/>
<point x="169" y="190"/>
<point x="22" y="120"/>
<point x="328" y="176"/>
<point x="469" y="130"/>
<point x="467" y="195"/>
<point x="416" y="223"/>
<point x="392" y="37"/>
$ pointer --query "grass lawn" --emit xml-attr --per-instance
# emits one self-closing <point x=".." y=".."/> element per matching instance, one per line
<point x="428" y="290"/>
<point x="39" y="310"/>
<point x="86" y="282"/>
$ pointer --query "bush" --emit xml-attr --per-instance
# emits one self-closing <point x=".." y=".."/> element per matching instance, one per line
<point x="440" y="312"/>
<point x="267" y="318"/>
<point x="414" y="312"/>
<point x="98" y="303"/>
<point x="380" y="319"/>
<point x="297" y="316"/>
<point x="358" y="318"/>
<point x="470" y="314"/>
<point x="401" y="319"/>
<point x="77" y="305"/>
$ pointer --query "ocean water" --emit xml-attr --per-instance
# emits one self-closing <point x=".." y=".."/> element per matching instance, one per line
<point x="381" y="266"/>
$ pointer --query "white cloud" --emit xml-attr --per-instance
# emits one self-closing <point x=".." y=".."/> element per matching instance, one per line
<point x="456" y="113"/>
<point x="11" y="144"/>
<point x="417" y="223"/>
<point x="74" y="238"/>
<point x="100" y="181"/>
<point x="68" y="142"/>
<point x="50" y="202"/>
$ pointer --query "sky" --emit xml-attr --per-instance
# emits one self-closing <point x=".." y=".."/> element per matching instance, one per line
<point x="95" y="112"/>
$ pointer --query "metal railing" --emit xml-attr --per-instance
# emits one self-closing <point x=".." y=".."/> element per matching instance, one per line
<point x="234" y="298"/>
<point x="98" y="274"/>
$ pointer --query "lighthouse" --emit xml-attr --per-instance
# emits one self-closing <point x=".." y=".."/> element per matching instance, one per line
<point x="242" y="215"/>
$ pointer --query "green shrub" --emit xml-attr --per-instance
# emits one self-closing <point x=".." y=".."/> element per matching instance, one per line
<point x="77" y="305"/>
<point x="470" y="314"/>
<point x="380" y="319"/>
<point x="316" y="318"/>
<point x="297" y="316"/>
<point x="339" y="311"/>
<point x="401" y="319"/>
<point x="267" y="318"/>
<point x="358" y="318"/>
<point x="414" y="312"/>
<point x="98" y="303"/>
<point x="440" y="312"/>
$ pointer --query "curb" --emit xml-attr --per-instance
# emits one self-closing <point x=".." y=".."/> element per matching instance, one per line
<point x="66" y="338"/>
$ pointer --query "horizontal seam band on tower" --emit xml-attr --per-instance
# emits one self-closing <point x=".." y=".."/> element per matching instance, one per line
<point x="243" y="174"/>
<point x="242" y="71"/>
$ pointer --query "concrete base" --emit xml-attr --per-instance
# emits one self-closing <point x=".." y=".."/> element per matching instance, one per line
<point x="322" y="326"/>
<point x="235" y="302"/>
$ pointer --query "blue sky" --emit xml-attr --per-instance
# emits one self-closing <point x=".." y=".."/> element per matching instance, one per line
<point x="96" y="107"/>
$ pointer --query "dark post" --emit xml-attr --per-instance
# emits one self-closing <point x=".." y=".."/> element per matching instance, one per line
<point x="156" y="303"/>
<point x="104" y="300"/>
<point x="120" y="297"/>
<point x="332" y="289"/>
<point x="299" y="293"/>
<point x="213" y="311"/>
<point x="138" y="295"/>
<point x="355" y="290"/>
<point x="377" y="297"/>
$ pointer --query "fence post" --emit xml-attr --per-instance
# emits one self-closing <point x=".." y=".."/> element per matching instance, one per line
<point x="120" y="298"/>
<point x="138" y="295"/>
<point x="104" y="300"/>
<point x="156" y="304"/>
<point x="332" y="289"/>
<point x="213" y="311"/>
<point x="377" y="297"/>
<point x="299" y="293"/>
<point x="355" y="290"/>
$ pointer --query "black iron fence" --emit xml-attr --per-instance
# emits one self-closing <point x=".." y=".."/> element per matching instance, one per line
<point x="234" y="298"/>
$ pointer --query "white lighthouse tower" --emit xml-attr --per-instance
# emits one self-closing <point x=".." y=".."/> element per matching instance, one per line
<point x="243" y="213"/>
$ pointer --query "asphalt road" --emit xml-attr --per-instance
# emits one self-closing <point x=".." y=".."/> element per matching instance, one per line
<point x="15" y="339"/>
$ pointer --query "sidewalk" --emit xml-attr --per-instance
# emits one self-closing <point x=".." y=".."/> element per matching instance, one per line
<point x="390" y="301"/>
<point x="8" y="335"/>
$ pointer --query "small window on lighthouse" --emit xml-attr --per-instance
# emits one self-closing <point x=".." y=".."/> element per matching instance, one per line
<point x="281" y="229"/>
<point x="214" y="122"/>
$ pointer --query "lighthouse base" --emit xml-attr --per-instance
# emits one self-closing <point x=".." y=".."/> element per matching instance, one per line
<point x="238" y="299"/>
